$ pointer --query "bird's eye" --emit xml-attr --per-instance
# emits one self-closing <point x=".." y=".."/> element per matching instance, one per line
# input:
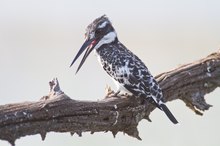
<point x="98" y="31"/>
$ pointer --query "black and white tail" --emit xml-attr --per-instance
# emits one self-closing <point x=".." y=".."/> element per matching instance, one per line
<point x="168" y="113"/>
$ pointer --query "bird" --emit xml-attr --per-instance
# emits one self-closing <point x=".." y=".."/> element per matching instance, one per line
<point x="128" y="72"/>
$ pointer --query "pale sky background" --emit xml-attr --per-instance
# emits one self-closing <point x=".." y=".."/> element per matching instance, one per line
<point x="38" y="40"/>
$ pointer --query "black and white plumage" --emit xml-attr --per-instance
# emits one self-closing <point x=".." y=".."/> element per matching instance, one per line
<point x="128" y="71"/>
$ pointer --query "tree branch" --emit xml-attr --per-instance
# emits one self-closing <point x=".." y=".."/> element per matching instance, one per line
<point x="59" y="113"/>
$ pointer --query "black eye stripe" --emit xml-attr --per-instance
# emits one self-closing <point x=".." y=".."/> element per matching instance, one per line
<point x="98" y="31"/>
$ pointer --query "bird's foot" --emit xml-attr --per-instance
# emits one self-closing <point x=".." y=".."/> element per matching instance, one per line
<point x="110" y="93"/>
<point x="116" y="93"/>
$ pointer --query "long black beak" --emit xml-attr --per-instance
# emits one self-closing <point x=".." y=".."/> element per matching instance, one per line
<point x="89" y="44"/>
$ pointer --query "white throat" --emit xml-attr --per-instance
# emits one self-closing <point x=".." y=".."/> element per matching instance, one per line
<point x="108" y="38"/>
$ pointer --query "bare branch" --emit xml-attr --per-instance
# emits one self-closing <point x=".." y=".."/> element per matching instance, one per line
<point x="59" y="113"/>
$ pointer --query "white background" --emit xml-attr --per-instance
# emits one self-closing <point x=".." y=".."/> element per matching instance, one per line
<point x="38" y="40"/>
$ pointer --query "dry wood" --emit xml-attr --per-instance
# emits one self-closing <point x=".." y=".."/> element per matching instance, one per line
<point x="59" y="113"/>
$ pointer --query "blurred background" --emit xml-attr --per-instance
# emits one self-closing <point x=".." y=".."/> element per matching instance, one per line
<point x="39" y="38"/>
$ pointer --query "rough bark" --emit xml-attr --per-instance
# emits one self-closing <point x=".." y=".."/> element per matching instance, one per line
<point x="59" y="113"/>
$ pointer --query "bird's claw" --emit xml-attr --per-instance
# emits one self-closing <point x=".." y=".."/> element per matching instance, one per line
<point x="110" y="93"/>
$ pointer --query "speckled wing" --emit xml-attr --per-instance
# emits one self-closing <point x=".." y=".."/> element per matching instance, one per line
<point x="143" y="81"/>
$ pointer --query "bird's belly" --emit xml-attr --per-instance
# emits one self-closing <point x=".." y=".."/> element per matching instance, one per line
<point x="118" y="74"/>
<point x="120" y="87"/>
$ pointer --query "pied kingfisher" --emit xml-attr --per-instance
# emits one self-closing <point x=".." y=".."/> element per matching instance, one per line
<point x="128" y="71"/>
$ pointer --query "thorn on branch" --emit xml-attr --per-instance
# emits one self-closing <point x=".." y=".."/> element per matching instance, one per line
<point x="55" y="87"/>
<point x="92" y="132"/>
<point x="147" y="118"/>
<point x="72" y="133"/>
<point x="43" y="135"/>
<point x="55" y="90"/>
<point x="133" y="131"/>
<point x="79" y="133"/>
<point x="108" y="92"/>
<point x="114" y="133"/>
<point x="12" y="142"/>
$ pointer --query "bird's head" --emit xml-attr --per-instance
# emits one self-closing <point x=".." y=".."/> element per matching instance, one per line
<point x="99" y="32"/>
